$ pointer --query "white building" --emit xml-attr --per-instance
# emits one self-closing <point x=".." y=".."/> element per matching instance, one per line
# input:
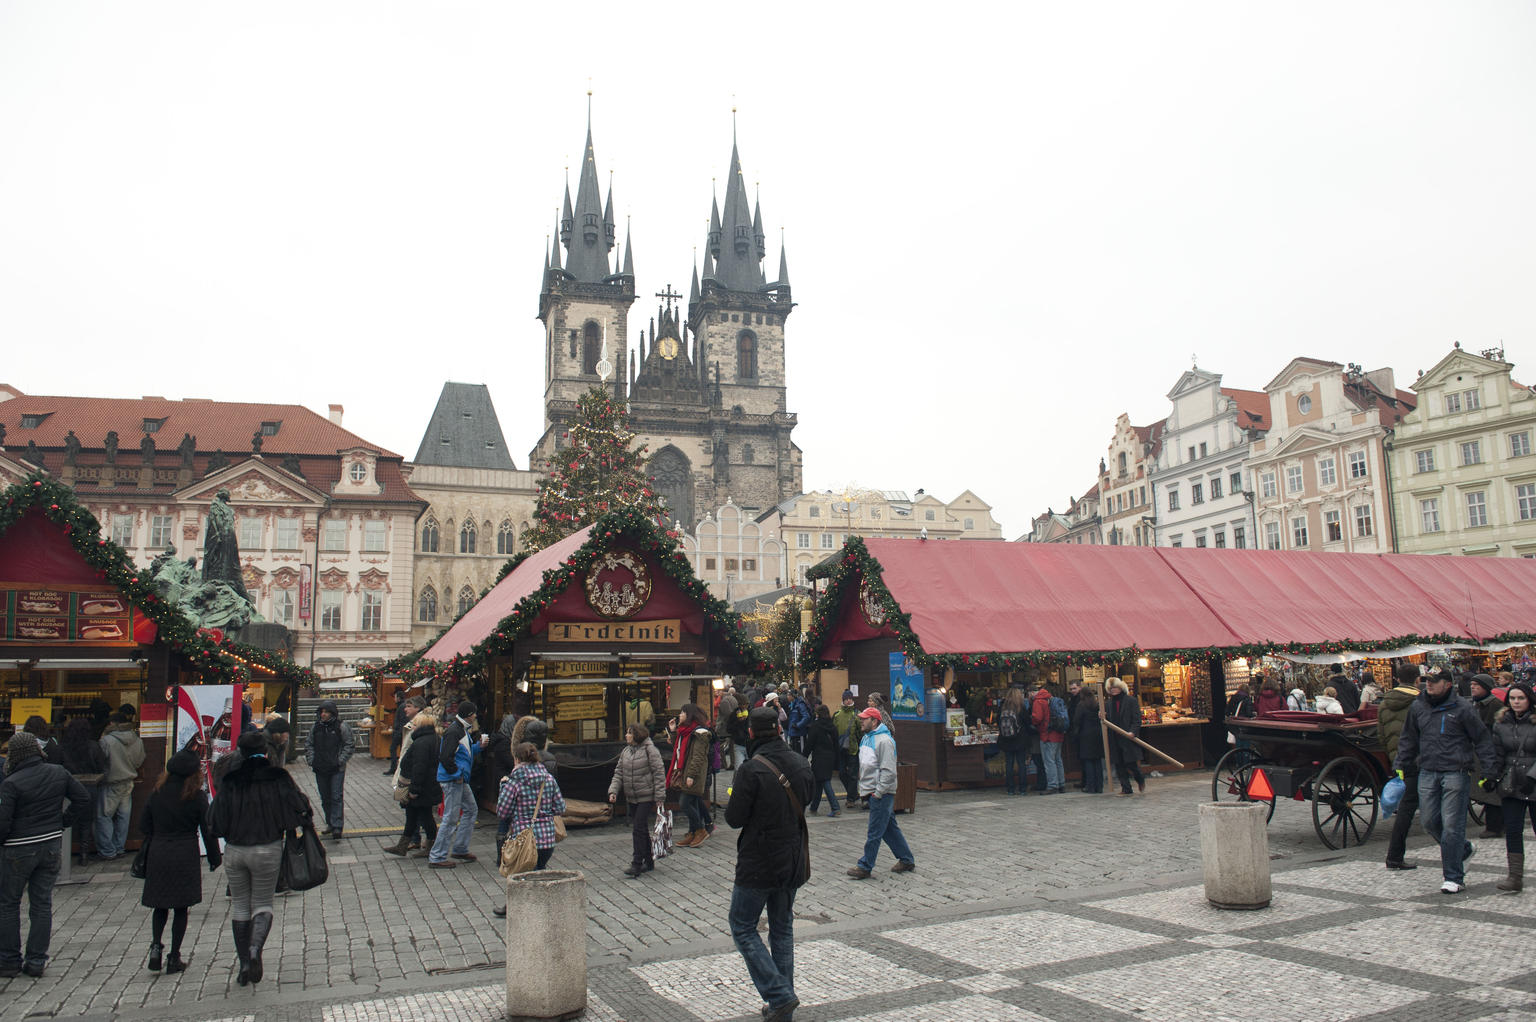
<point x="1198" y="479"/>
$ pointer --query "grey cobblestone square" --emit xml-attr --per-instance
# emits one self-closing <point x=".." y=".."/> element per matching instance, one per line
<point x="1465" y="949"/>
<point x="1020" y="940"/>
<point x="1187" y="906"/>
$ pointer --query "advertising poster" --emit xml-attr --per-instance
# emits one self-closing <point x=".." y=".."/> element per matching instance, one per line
<point x="907" y="689"/>
<point x="49" y="615"/>
<point x="208" y="723"/>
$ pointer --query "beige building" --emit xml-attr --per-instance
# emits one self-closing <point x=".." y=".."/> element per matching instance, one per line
<point x="1079" y="523"/>
<point x="478" y="507"/>
<point x="1125" y="483"/>
<point x="311" y="500"/>
<point x="1463" y="474"/>
<point x="733" y="554"/>
<point x="813" y="525"/>
<point x="1319" y="474"/>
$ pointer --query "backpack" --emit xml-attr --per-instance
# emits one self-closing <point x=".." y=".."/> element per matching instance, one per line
<point x="1058" y="715"/>
<point x="715" y="760"/>
<point x="1008" y="724"/>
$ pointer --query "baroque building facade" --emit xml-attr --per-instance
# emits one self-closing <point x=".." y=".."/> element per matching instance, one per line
<point x="1125" y="484"/>
<point x="1463" y="471"/>
<point x="1079" y="523"/>
<point x="705" y="385"/>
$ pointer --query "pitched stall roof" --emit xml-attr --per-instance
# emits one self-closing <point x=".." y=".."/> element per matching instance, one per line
<point x="1491" y="596"/>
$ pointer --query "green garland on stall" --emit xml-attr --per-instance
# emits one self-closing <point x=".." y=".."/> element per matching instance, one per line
<point x="635" y="527"/>
<point x="511" y="566"/>
<point x="225" y="661"/>
<point x="855" y="563"/>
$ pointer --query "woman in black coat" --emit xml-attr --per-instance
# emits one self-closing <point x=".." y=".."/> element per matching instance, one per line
<point x="419" y="767"/>
<point x="1089" y="741"/>
<point x="177" y="812"/>
<point x="822" y="741"/>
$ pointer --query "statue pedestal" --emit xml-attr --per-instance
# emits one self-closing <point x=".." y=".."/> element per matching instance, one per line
<point x="264" y="635"/>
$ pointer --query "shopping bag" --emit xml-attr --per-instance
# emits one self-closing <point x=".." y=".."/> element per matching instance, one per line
<point x="661" y="835"/>
<point x="519" y="853"/>
<point x="303" y="865"/>
<point x="1392" y="796"/>
<point x="140" y="868"/>
<point x="559" y="829"/>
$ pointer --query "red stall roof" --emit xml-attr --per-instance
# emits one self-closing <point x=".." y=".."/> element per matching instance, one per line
<point x="1007" y="597"/>
<point x="1490" y="596"/>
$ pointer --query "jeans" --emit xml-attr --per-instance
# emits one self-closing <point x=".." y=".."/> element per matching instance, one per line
<point x="1093" y="776"/>
<point x="641" y="816"/>
<point x="1013" y="766"/>
<point x="332" y="787"/>
<point x="1402" y="821"/>
<point x="882" y="827"/>
<point x="112" y="823"/>
<point x="252" y="874"/>
<point x="831" y="793"/>
<point x="1443" y="796"/>
<point x="1055" y="776"/>
<point x="32" y="869"/>
<point x="1514" y="822"/>
<point x="697" y="810"/>
<point x="459" y="812"/>
<point x="772" y="968"/>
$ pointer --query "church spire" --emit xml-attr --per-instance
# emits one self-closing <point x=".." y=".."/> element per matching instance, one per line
<point x="738" y="251"/>
<point x="783" y="265"/>
<point x="693" y="290"/>
<point x="553" y="262"/>
<point x="629" y="248"/>
<point x="589" y="240"/>
<point x="609" y="228"/>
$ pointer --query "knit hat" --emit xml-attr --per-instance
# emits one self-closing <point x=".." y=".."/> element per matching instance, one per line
<point x="24" y="748"/>
<point x="466" y="709"/>
<point x="771" y="697"/>
<point x="763" y="721"/>
<point x="278" y="726"/>
<point x="183" y="764"/>
<point x="873" y="713"/>
<point x="1484" y="680"/>
<point x="252" y="743"/>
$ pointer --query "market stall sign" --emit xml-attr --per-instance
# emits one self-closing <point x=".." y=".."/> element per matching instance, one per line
<point x="546" y="669"/>
<point x="21" y="709"/>
<point x="94" y="617"/>
<point x="663" y="632"/>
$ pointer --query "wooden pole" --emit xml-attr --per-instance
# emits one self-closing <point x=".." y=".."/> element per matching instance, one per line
<point x="1157" y="752"/>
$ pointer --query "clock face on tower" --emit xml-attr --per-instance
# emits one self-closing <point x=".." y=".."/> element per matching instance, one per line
<point x="668" y="348"/>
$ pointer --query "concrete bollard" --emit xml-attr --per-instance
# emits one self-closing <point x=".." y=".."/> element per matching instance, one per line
<point x="1234" y="849"/>
<point x="546" y="945"/>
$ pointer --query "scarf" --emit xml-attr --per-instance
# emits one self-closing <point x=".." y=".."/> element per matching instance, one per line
<point x="680" y="750"/>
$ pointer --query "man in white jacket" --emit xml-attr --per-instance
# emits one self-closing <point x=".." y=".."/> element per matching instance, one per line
<point x="877" y="783"/>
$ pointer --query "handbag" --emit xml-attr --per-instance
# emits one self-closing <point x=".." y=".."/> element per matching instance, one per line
<point x="520" y="853"/>
<point x="303" y="866"/>
<point x="402" y="793"/>
<point x="559" y="829"/>
<point x="799" y="808"/>
<point x="140" y="868"/>
<point x="661" y="834"/>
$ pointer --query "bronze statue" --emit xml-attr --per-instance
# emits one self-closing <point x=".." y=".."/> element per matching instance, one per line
<point x="71" y="448"/>
<point x="291" y="464"/>
<point x="221" y="551"/>
<point x="111" y="446"/>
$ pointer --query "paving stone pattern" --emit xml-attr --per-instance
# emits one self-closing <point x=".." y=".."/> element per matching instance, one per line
<point x="1066" y="907"/>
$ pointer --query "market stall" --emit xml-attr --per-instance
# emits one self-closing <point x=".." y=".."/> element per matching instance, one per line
<point x="603" y="628"/>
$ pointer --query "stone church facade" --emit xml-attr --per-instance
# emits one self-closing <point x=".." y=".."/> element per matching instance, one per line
<point x="705" y="383"/>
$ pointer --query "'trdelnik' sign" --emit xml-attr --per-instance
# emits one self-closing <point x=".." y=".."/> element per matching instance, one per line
<point x="616" y="631"/>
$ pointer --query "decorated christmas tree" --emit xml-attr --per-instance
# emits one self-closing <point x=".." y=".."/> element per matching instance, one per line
<point x="595" y="471"/>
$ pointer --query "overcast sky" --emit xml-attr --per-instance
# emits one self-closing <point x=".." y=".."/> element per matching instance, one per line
<point x="1006" y="224"/>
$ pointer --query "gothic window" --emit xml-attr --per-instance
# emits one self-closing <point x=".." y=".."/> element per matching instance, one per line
<point x="1122" y="463"/>
<point x="429" y="537"/>
<point x="672" y="479"/>
<point x="426" y="607"/>
<point x="505" y="539"/>
<point x="746" y="454"/>
<point x="467" y="538"/>
<point x="746" y="356"/>
<point x="466" y="599"/>
<point x="591" y="347"/>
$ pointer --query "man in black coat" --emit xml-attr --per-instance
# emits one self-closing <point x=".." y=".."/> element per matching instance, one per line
<point x="330" y="746"/>
<point x="32" y="824"/>
<point x="1345" y="688"/>
<point x="768" y="798"/>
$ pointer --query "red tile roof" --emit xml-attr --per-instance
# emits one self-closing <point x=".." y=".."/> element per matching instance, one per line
<point x="1152" y="436"/>
<point x="1252" y="408"/>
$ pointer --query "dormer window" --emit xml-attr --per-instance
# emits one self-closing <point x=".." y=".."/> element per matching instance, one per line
<point x="271" y="428"/>
<point x="33" y="421"/>
<point x="358" y="472"/>
<point x="153" y="425"/>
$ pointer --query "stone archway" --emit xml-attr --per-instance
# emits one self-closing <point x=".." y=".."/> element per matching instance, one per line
<point x="673" y="483"/>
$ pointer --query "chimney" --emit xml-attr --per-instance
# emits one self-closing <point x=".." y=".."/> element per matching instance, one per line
<point x="1382" y="380"/>
<point x="336" y="414"/>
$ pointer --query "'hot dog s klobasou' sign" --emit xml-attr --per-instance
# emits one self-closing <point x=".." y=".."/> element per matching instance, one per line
<point x="50" y="616"/>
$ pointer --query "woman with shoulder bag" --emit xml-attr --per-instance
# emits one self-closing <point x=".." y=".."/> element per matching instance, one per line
<point x="1514" y="747"/>
<point x="257" y="804"/>
<point x="640" y="779"/>
<point x="689" y="773"/>
<point x="530" y="798"/>
<point x="177" y="812"/>
<point x="418" y="778"/>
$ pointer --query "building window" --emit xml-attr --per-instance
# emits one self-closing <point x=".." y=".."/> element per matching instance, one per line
<point x="800" y="574"/>
<point x="730" y="564"/>
<point x="271" y="428"/>
<point x="1293" y="479"/>
<point x="1239" y="537"/>
<point x="1472" y="452"/>
<point x="1363" y="520"/>
<point x="32" y="421"/>
<point x="1120" y="502"/>
<point x="1267" y="484"/>
<point x="426" y="606"/>
<point x="1299" y="532"/>
<point x="970" y="523"/>
<point x="373" y="611"/>
<point x="159" y="532"/>
<point x="251" y="532"/>
<point x="1327" y="475"/>
<point x="1424" y="461"/>
<point x="749" y="564"/>
<point x="802" y="540"/>
<point x="826" y="541"/>
<point x="1472" y="399"/>
<point x="375" y="536"/>
<point x="1519" y="444"/>
<point x="122" y="530"/>
<point x="1333" y="526"/>
<point x="709" y="564"/>
<point x="506" y="539"/>
<point x="591" y="347"/>
<point x="358" y="471"/>
<point x="1429" y="514"/>
<point x="152" y="425"/>
<point x="466" y="599"/>
<point x="467" y="538"/>
<point x="1143" y="499"/>
<point x="334" y="536"/>
<point x="287" y="537"/>
<point x="1215" y="487"/>
<point x="1452" y="403"/>
<point x="815" y="511"/>
<point x="1196" y="493"/>
<point x="1272" y="535"/>
<point x="1477" y="509"/>
<point x="1220" y="539"/>
<point x="928" y="516"/>
<point x="1178" y="542"/>
<point x="282" y="607"/>
<point x="1525" y="497"/>
<point x="1191" y="453"/>
<point x="1200" y="541"/>
<point x="1304" y="404"/>
<point x="1357" y="465"/>
<point x="746" y="356"/>
<point x="429" y="537"/>
<point x="1173" y="498"/>
<point x="1121" y="463"/>
<point x="330" y="612"/>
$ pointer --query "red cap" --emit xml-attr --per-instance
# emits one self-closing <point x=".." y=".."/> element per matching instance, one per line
<point x="871" y="712"/>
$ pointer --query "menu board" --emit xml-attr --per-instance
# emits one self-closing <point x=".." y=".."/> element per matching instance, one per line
<point x="98" y="617"/>
<point x="579" y="702"/>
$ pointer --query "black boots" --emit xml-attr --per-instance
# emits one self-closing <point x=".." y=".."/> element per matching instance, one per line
<point x="399" y="848"/>
<point x="261" y="925"/>
<point x="1514" y="883"/>
<point x="154" y="957"/>
<point x="174" y="964"/>
<point x="241" y="928"/>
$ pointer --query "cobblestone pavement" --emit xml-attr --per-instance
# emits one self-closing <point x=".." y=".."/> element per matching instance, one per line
<point x="1066" y="907"/>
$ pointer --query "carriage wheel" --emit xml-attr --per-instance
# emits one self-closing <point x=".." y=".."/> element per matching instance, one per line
<point x="1344" y="806"/>
<point x="1229" y="783"/>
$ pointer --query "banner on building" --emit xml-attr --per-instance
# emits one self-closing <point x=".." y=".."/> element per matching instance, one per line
<point x="306" y="591"/>
<point x="907" y="689"/>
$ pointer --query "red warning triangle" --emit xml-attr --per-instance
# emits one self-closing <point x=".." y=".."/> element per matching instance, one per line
<point x="1259" y="788"/>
